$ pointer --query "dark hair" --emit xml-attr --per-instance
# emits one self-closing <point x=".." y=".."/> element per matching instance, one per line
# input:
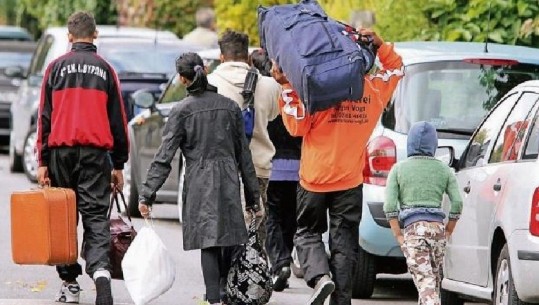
<point x="261" y="61"/>
<point x="234" y="45"/>
<point x="191" y="66"/>
<point x="81" y="25"/>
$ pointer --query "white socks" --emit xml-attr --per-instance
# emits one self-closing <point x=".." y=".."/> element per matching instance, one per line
<point x="102" y="273"/>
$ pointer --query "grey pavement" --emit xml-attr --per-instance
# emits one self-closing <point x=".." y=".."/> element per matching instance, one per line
<point x="37" y="285"/>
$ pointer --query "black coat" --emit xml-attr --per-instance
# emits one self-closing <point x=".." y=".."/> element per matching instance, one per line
<point x="209" y="130"/>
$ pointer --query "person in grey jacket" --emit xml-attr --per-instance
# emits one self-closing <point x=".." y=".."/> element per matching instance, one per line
<point x="209" y="130"/>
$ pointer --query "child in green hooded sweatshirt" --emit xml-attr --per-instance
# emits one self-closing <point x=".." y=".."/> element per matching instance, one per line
<point x="414" y="192"/>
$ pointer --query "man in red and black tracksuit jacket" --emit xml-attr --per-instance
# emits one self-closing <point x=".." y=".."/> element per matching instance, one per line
<point x="82" y="139"/>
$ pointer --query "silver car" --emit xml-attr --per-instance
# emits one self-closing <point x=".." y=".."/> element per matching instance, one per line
<point x="119" y="45"/>
<point x="493" y="254"/>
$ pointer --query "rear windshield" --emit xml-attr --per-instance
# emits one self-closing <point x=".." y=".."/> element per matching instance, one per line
<point x="8" y="59"/>
<point x="453" y="95"/>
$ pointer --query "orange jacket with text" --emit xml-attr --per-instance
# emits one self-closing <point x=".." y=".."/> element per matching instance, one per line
<point x="334" y="140"/>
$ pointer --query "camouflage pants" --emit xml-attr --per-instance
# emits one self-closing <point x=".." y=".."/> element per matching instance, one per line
<point x="423" y="247"/>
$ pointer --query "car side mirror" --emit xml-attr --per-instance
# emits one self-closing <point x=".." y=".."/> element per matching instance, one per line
<point x="143" y="99"/>
<point x="14" y="72"/>
<point x="446" y="154"/>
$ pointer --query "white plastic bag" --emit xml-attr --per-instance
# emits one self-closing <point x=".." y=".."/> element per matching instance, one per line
<point x="149" y="270"/>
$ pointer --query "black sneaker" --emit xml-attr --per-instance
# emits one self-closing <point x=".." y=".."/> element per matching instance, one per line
<point x="280" y="280"/>
<point x="103" y="291"/>
<point x="324" y="287"/>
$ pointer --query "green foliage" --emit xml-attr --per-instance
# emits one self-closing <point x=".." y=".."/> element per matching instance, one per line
<point x="398" y="20"/>
<point x="511" y="21"/>
<point x="176" y="15"/>
<point x="36" y="15"/>
<point x="241" y="15"/>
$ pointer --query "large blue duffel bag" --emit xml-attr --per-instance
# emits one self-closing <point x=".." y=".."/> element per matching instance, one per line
<point x="319" y="55"/>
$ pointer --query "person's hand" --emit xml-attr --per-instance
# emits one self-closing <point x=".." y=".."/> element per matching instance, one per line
<point x="117" y="179"/>
<point x="278" y="74"/>
<point x="400" y="239"/>
<point x="366" y="33"/>
<point x="144" y="209"/>
<point x="450" y="227"/>
<point x="259" y="213"/>
<point x="43" y="176"/>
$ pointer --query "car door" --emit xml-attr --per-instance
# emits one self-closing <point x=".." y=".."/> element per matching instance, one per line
<point x="502" y="162"/>
<point x="467" y="253"/>
<point x="147" y="133"/>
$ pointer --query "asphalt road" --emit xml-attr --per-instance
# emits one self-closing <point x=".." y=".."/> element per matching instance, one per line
<point x="36" y="285"/>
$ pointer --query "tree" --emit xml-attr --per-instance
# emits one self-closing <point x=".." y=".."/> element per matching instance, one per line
<point x="398" y="20"/>
<point x="501" y="21"/>
<point x="241" y="15"/>
<point x="36" y="15"/>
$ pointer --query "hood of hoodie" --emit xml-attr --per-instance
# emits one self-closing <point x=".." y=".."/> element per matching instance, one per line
<point x="422" y="140"/>
<point x="233" y="72"/>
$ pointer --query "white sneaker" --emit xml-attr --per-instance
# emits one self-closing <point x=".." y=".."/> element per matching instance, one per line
<point x="69" y="293"/>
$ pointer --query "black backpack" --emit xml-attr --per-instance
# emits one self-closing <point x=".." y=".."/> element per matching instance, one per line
<point x="248" y="93"/>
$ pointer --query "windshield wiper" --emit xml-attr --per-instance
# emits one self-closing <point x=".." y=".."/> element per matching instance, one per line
<point x="464" y="132"/>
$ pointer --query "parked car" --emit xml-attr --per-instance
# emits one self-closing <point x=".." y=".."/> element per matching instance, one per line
<point x="450" y="84"/>
<point x="127" y="49"/>
<point x="493" y="254"/>
<point x="14" y="33"/>
<point x="15" y="58"/>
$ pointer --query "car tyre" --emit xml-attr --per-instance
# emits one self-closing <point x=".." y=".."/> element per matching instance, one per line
<point x="295" y="266"/>
<point x="131" y="191"/>
<point x="30" y="164"/>
<point x="15" y="160"/>
<point x="504" y="287"/>
<point x="365" y="275"/>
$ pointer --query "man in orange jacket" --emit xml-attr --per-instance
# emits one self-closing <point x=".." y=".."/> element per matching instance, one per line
<point x="332" y="162"/>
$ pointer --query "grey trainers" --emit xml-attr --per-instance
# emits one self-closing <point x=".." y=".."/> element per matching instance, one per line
<point x="69" y="293"/>
<point x="324" y="287"/>
<point x="280" y="280"/>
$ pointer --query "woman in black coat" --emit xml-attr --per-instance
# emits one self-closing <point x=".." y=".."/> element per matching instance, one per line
<point x="209" y="130"/>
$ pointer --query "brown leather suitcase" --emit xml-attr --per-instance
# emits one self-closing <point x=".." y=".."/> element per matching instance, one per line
<point x="44" y="226"/>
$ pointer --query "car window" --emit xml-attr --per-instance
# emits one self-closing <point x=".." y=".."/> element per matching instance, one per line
<point x="174" y="92"/>
<point x="478" y="147"/>
<point x="454" y="96"/>
<point x="532" y="146"/>
<point x="512" y="134"/>
<point x="40" y="56"/>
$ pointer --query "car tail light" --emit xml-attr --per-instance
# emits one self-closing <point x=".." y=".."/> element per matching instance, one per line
<point x="380" y="157"/>
<point x="534" y="216"/>
<point x="492" y="61"/>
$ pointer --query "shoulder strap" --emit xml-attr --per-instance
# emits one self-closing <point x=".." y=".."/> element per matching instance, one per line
<point x="249" y="86"/>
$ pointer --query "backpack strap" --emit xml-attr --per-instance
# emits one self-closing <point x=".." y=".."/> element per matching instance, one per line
<point x="249" y="87"/>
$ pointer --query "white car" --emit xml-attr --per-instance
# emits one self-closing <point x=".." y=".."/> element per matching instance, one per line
<point x="493" y="254"/>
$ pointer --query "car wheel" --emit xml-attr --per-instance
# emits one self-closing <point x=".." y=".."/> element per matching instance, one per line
<point x="504" y="287"/>
<point x="131" y="191"/>
<point x="295" y="266"/>
<point x="29" y="159"/>
<point x="15" y="160"/>
<point x="364" y="275"/>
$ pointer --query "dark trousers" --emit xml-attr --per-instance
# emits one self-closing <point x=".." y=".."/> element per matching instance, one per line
<point x="216" y="262"/>
<point x="344" y="209"/>
<point x="281" y="223"/>
<point x="87" y="171"/>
